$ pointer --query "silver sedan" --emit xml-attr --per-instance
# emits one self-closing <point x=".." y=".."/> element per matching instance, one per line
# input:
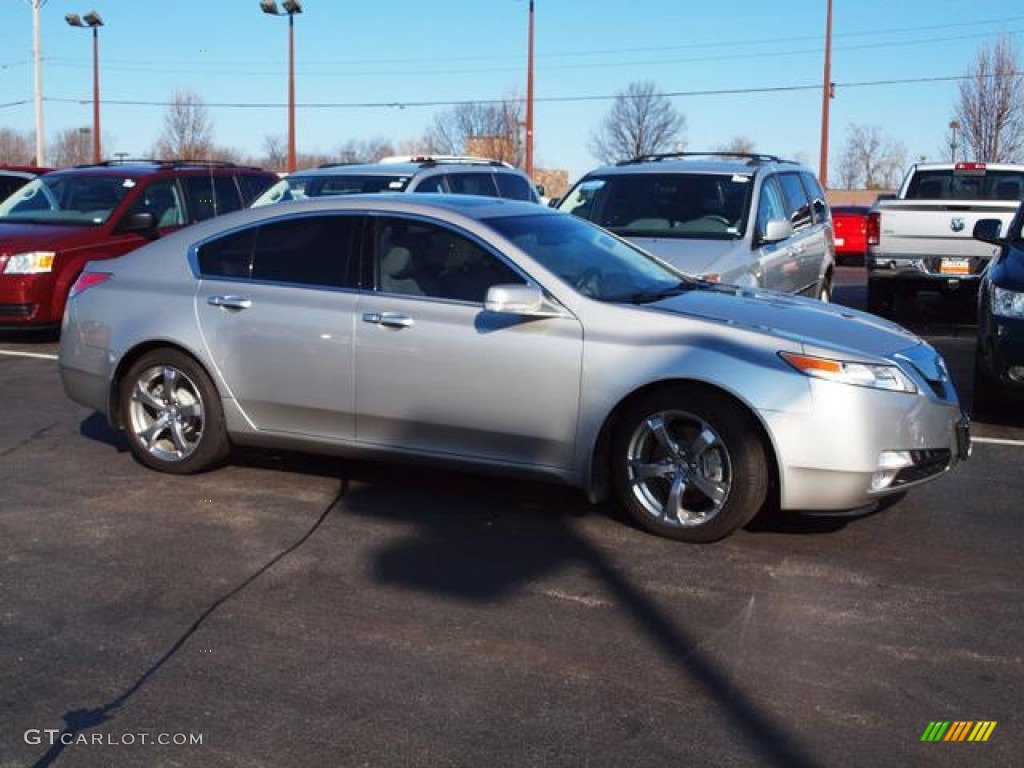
<point x="507" y="337"/>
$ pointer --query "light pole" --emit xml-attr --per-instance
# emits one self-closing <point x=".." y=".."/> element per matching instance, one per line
<point x="37" y="58"/>
<point x="954" y="126"/>
<point x="291" y="7"/>
<point x="826" y="95"/>
<point x="92" y="21"/>
<point x="529" y="99"/>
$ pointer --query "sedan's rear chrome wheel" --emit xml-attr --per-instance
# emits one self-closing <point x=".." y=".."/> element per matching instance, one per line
<point x="689" y="464"/>
<point x="172" y="414"/>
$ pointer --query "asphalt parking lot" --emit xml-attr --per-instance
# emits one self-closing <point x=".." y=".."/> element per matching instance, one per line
<point x="288" y="610"/>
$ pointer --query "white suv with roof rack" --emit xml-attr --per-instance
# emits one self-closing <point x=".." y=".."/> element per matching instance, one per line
<point x="446" y="174"/>
<point x="746" y="219"/>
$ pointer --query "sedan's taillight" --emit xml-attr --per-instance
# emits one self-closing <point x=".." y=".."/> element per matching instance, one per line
<point x="87" y="280"/>
<point x="874" y="227"/>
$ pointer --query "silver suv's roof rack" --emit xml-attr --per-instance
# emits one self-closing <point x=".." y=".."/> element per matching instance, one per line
<point x="425" y="160"/>
<point x="753" y="157"/>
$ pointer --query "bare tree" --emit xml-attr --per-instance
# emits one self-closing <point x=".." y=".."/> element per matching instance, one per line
<point x="742" y="145"/>
<point x="869" y="159"/>
<point x="492" y="129"/>
<point x="275" y="152"/>
<point x="187" y="133"/>
<point x="16" y="147"/>
<point x="72" y="146"/>
<point x="366" y="151"/>
<point x="642" y="121"/>
<point x="990" y="109"/>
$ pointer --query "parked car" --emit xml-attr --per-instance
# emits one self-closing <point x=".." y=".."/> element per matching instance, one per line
<point x="422" y="173"/>
<point x="999" y="355"/>
<point x="750" y="220"/>
<point x="921" y="240"/>
<point x="14" y="177"/>
<point x="850" y="226"/>
<point x="503" y="335"/>
<point x="59" y="221"/>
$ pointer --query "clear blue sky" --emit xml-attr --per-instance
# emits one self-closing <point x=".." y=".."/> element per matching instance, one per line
<point x="353" y="55"/>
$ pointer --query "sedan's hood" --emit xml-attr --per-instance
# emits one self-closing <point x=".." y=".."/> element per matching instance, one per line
<point x="692" y="256"/>
<point x="806" y="321"/>
<point x="18" y="237"/>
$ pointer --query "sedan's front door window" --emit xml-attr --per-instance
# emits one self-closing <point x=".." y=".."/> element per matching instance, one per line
<point x="419" y="259"/>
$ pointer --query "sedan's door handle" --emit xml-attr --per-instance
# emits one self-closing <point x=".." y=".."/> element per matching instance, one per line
<point x="229" y="302"/>
<point x="388" y="319"/>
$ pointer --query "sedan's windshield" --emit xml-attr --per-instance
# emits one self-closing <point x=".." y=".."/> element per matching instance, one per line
<point x="84" y="200"/>
<point x="591" y="260"/>
<point x="299" y="187"/>
<point x="708" y="206"/>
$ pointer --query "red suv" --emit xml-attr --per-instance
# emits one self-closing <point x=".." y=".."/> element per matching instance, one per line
<point x="59" y="221"/>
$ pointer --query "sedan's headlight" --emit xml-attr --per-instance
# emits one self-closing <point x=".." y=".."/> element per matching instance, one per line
<point x="874" y="375"/>
<point x="1007" y="303"/>
<point x="33" y="263"/>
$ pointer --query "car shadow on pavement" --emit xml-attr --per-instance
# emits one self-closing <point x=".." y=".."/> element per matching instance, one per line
<point x="477" y="539"/>
<point x="95" y="427"/>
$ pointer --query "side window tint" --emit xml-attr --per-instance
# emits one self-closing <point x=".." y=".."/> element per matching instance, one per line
<point x="432" y="184"/>
<point x="819" y="206"/>
<point x="473" y="184"/>
<point x="311" y="250"/>
<point x="798" y="208"/>
<point x="513" y="186"/>
<point x="162" y="199"/>
<point x="771" y="205"/>
<point x="418" y="259"/>
<point x="210" y="196"/>
<point x="252" y="186"/>
<point x="229" y="256"/>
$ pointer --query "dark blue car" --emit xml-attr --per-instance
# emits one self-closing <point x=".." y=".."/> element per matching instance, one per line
<point x="999" y="359"/>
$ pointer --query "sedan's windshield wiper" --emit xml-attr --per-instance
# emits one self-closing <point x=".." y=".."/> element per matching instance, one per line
<point x="648" y="297"/>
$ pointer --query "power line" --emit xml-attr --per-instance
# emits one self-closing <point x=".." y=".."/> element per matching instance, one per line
<point x="548" y="99"/>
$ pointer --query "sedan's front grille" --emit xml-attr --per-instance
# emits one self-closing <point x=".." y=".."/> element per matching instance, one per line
<point x="926" y="464"/>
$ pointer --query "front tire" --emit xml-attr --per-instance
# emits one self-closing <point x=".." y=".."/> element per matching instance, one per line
<point x="689" y="464"/>
<point x="172" y="415"/>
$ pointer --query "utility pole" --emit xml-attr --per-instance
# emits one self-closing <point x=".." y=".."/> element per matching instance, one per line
<point x="529" y="100"/>
<point x="826" y="96"/>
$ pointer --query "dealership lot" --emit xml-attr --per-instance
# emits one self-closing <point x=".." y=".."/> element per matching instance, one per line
<point x="292" y="610"/>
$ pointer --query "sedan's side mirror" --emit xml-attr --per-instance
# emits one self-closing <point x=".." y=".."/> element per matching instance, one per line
<point x="988" y="230"/>
<point x="516" y="299"/>
<point x="776" y="230"/>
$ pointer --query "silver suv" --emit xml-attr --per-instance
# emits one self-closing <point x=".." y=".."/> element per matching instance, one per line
<point x="744" y="219"/>
<point x="426" y="173"/>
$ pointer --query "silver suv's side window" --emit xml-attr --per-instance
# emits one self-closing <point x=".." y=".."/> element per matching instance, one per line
<point x="771" y="204"/>
<point x="513" y="186"/>
<point x="798" y="207"/>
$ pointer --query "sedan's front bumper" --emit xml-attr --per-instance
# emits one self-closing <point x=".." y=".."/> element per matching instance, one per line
<point x="860" y="444"/>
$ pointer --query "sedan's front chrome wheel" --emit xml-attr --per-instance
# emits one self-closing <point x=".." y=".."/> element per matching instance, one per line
<point x="172" y="414"/>
<point x="679" y="468"/>
<point x="689" y="463"/>
<point x="166" y="413"/>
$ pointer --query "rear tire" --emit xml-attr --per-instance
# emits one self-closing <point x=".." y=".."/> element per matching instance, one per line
<point x="880" y="297"/>
<point x="689" y="464"/>
<point x="172" y="414"/>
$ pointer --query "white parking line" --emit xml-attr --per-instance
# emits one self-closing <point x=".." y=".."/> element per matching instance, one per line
<point x="996" y="440"/>
<point x="38" y="355"/>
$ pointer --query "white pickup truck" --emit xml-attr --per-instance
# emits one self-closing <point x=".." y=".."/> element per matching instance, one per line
<point x="922" y="240"/>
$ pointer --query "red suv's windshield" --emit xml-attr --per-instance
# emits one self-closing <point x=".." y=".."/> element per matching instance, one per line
<point x="67" y="199"/>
